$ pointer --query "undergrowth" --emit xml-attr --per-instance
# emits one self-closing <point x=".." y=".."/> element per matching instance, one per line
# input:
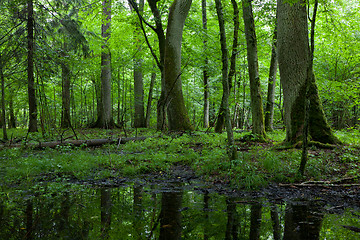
<point x="257" y="165"/>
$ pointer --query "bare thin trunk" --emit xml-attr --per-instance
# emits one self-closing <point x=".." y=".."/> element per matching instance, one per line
<point x="65" y="111"/>
<point x="206" y="110"/>
<point x="232" y="151"/>
<point x="150" y="96"/>
<point x="139" y="118"/>
<point x="3" y="116"/>
<point x="30" y="69"/>
<point x="269" y="109"/>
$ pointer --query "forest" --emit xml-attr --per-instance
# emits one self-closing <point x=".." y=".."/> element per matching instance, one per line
<point x="187" y="112"/>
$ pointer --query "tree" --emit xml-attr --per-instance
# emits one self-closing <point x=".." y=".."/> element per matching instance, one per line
<point x="269" y="109"/>
<point x="139" y="119"/>
<point x="294" y="56"/>
<point x="253" y="68"/>
<point x="105" y="119"/>
<point x="225" y="82"/>
<point x="206" y="109"/>
<point x="221" y="114"/>
<point x="178" y="118"/>
<point x="30" y="68"/>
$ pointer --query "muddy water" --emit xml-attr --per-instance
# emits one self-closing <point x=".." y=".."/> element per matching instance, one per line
<point x="138" y="210"/>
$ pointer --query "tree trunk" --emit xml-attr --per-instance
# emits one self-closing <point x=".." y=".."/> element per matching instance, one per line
<point x="65" y="111"/>
<point x="178" y="118"/>
<point x="220" y="122"/>
<point x="269" y="109"/>
<point x="30" y="68"/>
<point x="160" y="111"/>
<point x="206" y="110"/>
<point x="294" y="57"/>
<point x="105" y="119"/>
<point x="139" y="118"/>
<point x="12" y="123"/>
<point x="105" y="215"/>
<point x="232" y="151"/>
<point x="253" y="68"/>
<point x="3" y="116"/>
<point x="150" y="96"/>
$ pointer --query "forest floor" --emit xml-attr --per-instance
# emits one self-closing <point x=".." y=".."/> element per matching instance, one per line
<point x="262" y="169"/>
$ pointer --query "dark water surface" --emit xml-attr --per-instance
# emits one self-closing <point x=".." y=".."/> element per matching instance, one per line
<point x="171" y="210"/>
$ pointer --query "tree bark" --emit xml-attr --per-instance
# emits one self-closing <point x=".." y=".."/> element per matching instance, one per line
<point x="150" y="97"/>
<point x="3" y="112"/>
<point x="232" y="151"/>
<point x="269" y="109"/>
<point x="139" y="118"/>
<point x="30" y="68"/>
<point x="220" y="122"/>
<point x="178" y="118"/>
<point x="105" y="119"/>
<point x="253" y="68"/>
<point x="65" y="110"/>
<point x="294" y="57"/>
<point x="206" y="110"/>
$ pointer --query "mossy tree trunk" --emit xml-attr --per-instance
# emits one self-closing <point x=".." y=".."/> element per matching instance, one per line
<point x="178" y="118"/>
<point x="253" y="69"/>
<point x="294" y="57"/>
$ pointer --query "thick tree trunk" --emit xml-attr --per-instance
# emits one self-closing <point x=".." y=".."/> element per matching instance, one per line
<point x="30" y="68"/>
<point x="139" y="118"/>
<point x="105" y="119"/>
<point x="294" y="57"/>
<point x="253" y="68"/>
<point x="178" y="118"/>
<point x="232" y="151"/>
<point x="269" y="109"/>
<point x="206" y="110"/>
<point x="65" y="97"/>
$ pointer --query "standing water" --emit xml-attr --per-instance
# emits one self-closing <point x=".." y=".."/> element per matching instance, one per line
<point x="166" y="210"/>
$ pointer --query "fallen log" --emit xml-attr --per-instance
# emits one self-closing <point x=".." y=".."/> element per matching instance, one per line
<point x="75" y="143"/>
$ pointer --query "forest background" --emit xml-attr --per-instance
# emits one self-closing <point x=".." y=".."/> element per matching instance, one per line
<point x="82" y="74"/>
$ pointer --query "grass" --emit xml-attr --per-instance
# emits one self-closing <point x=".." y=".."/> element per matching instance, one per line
<point x="257" y="165"/>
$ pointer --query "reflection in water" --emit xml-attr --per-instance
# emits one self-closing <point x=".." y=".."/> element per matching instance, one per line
<point x="105" y="209"/>
<point x="303" y="221"/>
<point x="138" y="211"/>
<point x="170" y="216"/>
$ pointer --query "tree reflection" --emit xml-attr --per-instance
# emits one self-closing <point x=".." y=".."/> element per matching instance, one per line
<point x="303" y="221"/>
<point x="170" y="215"/>
<point x="105" y="212"/>
<point x="255" y="221"/>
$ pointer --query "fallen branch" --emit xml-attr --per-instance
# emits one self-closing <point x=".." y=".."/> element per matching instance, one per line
<point x="76" y="143"/>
